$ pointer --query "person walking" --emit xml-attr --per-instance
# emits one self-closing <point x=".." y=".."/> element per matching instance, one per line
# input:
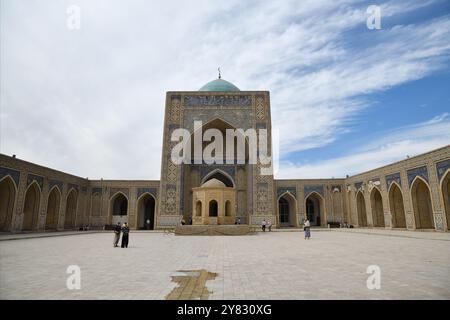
<point x="307" y="229"/>
<point x="117" y="230"/>
<point x="269" y="225"/>
<point x="125" y="235"/>
<point x="263" y="225"/>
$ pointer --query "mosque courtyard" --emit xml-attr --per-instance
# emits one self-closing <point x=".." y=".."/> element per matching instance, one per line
<point x="270" y="265"/>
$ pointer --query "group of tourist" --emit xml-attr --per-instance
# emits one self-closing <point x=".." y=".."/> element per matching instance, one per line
<point x="125" y="230"/>
<point x="266" y="224"/>
<point x="307" y="227"/>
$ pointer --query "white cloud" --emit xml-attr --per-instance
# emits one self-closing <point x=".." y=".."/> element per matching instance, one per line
<point x="392" y="146"/>
<point x="91" y="102"/>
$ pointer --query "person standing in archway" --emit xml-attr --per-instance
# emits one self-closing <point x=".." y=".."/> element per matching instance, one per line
<point x="125" y="235"/>
<point x="307" y="229"/>
<point x="148" y="224"/>
<point x="263" y="225"/>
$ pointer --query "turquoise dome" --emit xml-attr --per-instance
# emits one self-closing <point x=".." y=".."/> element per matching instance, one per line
<point x="219" y="85"/>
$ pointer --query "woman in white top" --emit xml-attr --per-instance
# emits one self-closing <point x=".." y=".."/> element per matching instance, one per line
<point x="307" y="229"/>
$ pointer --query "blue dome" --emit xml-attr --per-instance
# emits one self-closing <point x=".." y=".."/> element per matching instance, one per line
<point x="219" y="85"/>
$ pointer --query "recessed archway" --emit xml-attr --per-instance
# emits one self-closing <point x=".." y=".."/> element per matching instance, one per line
<point x="287" y="208"/>
<point x="314" y="209"/>
<point x="7" y="201"/>
<point x="361" y="210"/>
<point x="213" y="208"/>
<point x="31" y="207"/>
<point x="221" y="176"/>
<point x="71" y="209"/>
<point x="118" y="207"/>
<point x="198" y="209"/>
<point x="146" y="212"/>
<point x="53" y="203"/>
<point x="396" y="206"/>
<point x="421" y="199"/>
<point x="445" y="188"/>
<point x="376" y="203"/>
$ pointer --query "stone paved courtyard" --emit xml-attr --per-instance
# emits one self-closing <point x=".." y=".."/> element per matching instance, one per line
<point x="276" y="265"/>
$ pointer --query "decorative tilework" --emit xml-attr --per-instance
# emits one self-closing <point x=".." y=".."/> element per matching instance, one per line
<point x="38" y="179"/>
<point x="421" y="172"/>
<point x="442" y="167"/>
<point x="393" y="177"/>
<point x="206" y="169"/>
<point x="57" y="183"/>
<point x="15" y="175"/>
<point x="141" y="191"/>
<point x="96" y="190"/>
<point x="113" y="191"/>
<point x="222" y="100"/>
<point x="314" y="188"/>
<point x="291" y="190"/>
<point x="74" y="186"/>
<point x="358" y="185"/>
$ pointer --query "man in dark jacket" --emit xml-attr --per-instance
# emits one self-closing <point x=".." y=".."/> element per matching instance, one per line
<point x="125" y="235"/>
<point x="117" y="230"/>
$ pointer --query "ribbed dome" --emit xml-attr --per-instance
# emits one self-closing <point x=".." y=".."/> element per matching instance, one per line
<point x="219" y="85"/>
<point x="213" y="183"/>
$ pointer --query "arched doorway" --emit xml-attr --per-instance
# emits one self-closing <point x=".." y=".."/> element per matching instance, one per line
<point x="51" y="218"/>
<point x="31" y="207"/>
<point x="376" y="203"/>
<point x="146" y="212"/>
<point x="361" y="209"/>
<point x="287" y="207"/>
<point x="314" y="209"/>
<point x="445" y="188"/>
<point x="198" y="209"/>
<point x="396" y="206"/>
<point x="119" y="207"/>
<point x="71" y="210"/>
<point x="423" y="213"/>
<point x="213" y="208"/>
<point x="7" y="200"/>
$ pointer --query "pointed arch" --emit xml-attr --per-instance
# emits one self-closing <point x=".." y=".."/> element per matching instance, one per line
<point x="287" y="210"/>
<point x="396" y="206"/>
<point x="31" y="207"/>
<point x="376" y="204"/>
<point x="422" y="206"/>
<point x="445" y="195"/>
<point x="315" y="209"/>
<point x="119" y="204"/>
<point x="146" y="208"/>
<point x="71" y="209"/>
<point x="8" y="195"/>
<point x="361" y="209"/>
<point x="219" y="175"/>
<point x="53" y="208"/>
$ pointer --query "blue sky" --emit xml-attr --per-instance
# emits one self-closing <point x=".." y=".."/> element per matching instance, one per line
<point x="344" y="98"/>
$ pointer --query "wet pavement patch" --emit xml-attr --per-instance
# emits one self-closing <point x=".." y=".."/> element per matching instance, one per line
<point x="191" y="285"/>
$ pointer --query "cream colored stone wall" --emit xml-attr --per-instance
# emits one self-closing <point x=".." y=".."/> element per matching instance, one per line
<point x="431" y="168"/>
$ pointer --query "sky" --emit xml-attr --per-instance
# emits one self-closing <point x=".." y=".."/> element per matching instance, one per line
<point x="344" y="98"/>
